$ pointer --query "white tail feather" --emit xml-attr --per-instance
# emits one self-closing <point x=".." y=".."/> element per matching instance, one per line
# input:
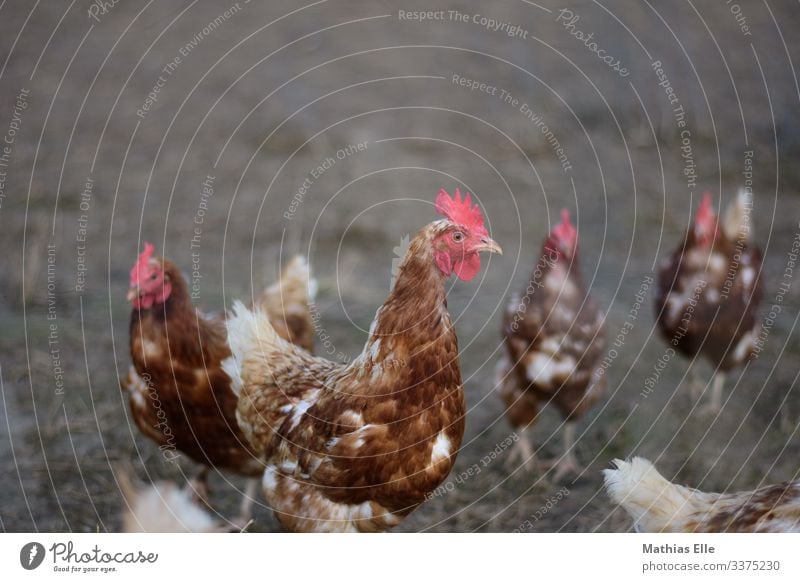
<point x="654" y="503"/>
<point x="313" y="288"/>
<point x="248" y="331"/>
<point x="736" y="223"/>
<point x="299" y="269"/>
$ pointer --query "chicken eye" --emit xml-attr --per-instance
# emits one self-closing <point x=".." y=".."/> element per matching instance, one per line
<point x="458" y="236"/>
<point x="153" y="277"/>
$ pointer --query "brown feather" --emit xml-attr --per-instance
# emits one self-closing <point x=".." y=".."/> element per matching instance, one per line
<point x="554" y="342"/>
<point x="724" y="283"/>
<point x="358" y="446"/>
<point x="179" y="396"/>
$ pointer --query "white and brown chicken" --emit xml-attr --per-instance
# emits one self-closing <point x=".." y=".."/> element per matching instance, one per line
<point x="359" y="446"/>
<point x="657" y="505"/>
<point x="553" y="333"/>
<point x="708" y="292"/>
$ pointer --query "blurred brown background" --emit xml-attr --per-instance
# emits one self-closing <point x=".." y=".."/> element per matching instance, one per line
<point x="260" y="97"/>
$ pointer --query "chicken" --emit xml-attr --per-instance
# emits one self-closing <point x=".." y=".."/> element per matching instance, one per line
<point x="179" y="396"/>
<point x="656" y="505"/>
<point x="708" y="293"/>
<point x="553" y="333"/>
<point x="162" y="507"/>
<point x="356" y="447"/>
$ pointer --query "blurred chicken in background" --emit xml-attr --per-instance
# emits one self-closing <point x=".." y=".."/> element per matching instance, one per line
<point x="656" y="505"/>
<point x="708" y="292"/>
<point x="553" y="333"/>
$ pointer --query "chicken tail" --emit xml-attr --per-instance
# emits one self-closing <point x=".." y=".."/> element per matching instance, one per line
<point x="299" y="270"/>
<point x="161" y="507"/>
<point x="736" y="224"/>
<point x="248" y="332"/>
<point x="655" y="504"/>
<point x="295" y="286"/>
<point x="289" y="303"/>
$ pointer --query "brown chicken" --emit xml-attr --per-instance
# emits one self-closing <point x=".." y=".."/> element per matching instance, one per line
<point x="554" y="339"/>
<point x="709" y="289"/>
<point x="656" y="505"/>
<point x="179" y="396"/>
<point x="357" y="447"/>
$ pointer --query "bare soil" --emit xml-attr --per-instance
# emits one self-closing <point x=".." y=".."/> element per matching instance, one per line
<point x="146" y="101"/>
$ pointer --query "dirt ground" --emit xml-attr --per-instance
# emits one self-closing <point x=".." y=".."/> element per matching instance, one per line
<point x="114" y="119"/>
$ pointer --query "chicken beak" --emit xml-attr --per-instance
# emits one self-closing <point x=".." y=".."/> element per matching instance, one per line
<point x="489" y="246"/>
<point x="133" y="293"/>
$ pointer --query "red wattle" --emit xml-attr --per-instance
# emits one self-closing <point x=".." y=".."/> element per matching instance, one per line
<point x="468" y="267"/>
<point x="144" y="301"/>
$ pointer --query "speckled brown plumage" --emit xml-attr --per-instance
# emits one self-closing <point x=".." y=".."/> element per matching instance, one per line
<point x="356" y="447"/>
<point x="179" y="396"/>
<point x="553" y="334"/>
<point x="723" y="278"/>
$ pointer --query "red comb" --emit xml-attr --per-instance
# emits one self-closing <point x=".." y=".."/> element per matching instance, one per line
<point x="706" y="209"/>
<point x="460" y="212"/>
<point x="705" y="213"/>
<point x="705" y="223"/>
<point x="565" y="231"/>
<point x="141" y="262"/>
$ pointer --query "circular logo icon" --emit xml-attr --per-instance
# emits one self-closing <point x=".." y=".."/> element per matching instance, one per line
<point x="31" y="555"/>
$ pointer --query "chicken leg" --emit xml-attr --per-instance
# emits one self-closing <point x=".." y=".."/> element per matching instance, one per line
<point x="696" y="384"/>
<point x="523" y="452"/>
<point x="199" y="487"/>
<point x="715" y="404"/>
<point x="246" y="508"/>
<point x="566" y="463"/>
